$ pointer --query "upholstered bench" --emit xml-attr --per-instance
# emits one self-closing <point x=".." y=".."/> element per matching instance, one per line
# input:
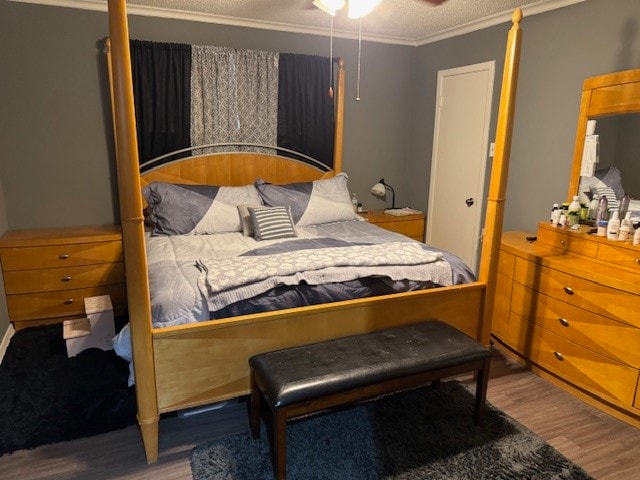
<point x="309" y="378"/>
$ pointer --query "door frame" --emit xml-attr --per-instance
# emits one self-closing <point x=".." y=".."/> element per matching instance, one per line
<point x="489" y="67"/>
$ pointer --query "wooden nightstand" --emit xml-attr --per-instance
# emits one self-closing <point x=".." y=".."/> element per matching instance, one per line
<point x="409" y="225"/>
<point x="48" y="272"/>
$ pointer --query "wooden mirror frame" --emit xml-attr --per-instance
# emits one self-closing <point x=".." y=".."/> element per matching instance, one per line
<point x="610" y="94"/>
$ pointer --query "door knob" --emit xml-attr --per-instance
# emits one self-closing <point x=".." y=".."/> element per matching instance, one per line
<point x="469" y="201"/>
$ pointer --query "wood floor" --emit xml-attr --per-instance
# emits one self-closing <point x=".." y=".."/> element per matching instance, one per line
<point x="605" y="447"/>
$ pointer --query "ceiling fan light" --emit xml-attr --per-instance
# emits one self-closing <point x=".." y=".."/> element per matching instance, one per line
<point x="329" y="6"/>
<point x="361" y="8"/>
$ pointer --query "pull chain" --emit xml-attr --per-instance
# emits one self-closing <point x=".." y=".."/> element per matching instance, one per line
<point x="331" y="60"/>
<point x="359" y="54"/>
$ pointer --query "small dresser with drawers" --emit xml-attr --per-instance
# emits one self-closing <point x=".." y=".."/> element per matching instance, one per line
<point x="568" y="305"/>
<point x="47" y="273"/>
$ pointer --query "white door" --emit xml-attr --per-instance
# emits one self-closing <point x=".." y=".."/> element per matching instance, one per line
<point x="460" y="150"/>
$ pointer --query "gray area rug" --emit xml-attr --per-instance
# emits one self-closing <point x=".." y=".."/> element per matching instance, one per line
<point x="420" y="434"/>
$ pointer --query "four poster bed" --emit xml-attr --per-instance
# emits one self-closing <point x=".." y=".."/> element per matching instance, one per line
<point x="188" y="365"/>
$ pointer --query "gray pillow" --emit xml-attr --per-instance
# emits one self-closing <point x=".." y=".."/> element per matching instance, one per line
<point x="270" y="223"/>
<point x="196" y="209"/>
<point x="311" y="203"/>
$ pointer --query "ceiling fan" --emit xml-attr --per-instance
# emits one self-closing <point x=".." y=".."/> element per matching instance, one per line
<point x="356" y="8"/>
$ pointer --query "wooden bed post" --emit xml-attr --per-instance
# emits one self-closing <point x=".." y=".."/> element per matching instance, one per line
<point x="497" y="189"/>
<point x="339" y="132"/>
<point x="133" y="228"/>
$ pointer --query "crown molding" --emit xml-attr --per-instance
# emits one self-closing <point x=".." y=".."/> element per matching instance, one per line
<point x="177" y="14"/>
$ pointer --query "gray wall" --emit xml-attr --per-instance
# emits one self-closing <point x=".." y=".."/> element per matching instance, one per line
<point x="559" y="50"/>
<point x="4" y="315"/>
<point x="56" y="128"/>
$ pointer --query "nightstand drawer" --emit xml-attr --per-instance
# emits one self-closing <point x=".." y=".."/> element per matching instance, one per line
<point x="20" y="258"/>
<point x="412" y="229"/>
<point x="600" y="375"/>
<point x="52" y="279"/>
<point x="31" y="306"/>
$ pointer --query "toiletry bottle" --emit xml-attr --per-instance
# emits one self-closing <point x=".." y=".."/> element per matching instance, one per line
<point x="555" y="214"/>
<point x="573" y="211"/>
<point x="636" y="237"/>
<point x="354" y="202"/>
<point x="602" y="209"/>
<point x="593" y="208"/>
<point x="613" y="228"/>
<point x="602" y="228"/>
<point x="626" y="228"/>
<point x="624" y="205"/>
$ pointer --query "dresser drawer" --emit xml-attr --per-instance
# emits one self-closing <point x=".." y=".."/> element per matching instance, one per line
<point x="67" y="278"/>
<point x="596" y="373"/>
<point x="30" y="306"/>
<point x="619" y="255"/>
<point x="579" y="292"/>
<point x="615" y="340"/>
<point x="19" y="258"/>
<point x="560" y="239"/>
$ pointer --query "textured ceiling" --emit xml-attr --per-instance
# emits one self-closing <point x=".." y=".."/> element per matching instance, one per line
<point x="392" y="21"/>
<point x="410" y="22"/>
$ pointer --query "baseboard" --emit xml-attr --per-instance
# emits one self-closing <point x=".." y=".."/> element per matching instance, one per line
<point x="5" y="341"/>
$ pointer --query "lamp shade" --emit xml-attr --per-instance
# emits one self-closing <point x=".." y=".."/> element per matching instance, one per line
<point x="380" y="190"/>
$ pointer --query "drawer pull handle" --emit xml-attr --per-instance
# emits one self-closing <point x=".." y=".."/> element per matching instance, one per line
<point x="568" y="290"/>
<point x="65" y="279"/>
<point x="563" y="243"/>
<point x="564" y="322"/>
<point x="68" y="301"/>
<point x="637" y="261"/>
<point x="63" y="256"/>
<point x="558" y="355"/>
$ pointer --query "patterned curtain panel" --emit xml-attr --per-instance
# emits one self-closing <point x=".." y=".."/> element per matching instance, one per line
<point x="162" y="96"/>
<point x="234" y="96"/>
<point x="306" y="121"/>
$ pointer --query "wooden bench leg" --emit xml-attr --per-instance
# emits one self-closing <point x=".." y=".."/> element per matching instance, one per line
<point x="482" y="380"/>
<point x="280" y="443"/>
<point x="254" y="414"/>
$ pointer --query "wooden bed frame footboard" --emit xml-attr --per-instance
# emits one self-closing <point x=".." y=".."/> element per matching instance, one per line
<point x="200" y="362"/>
<point x="196" y="364"/>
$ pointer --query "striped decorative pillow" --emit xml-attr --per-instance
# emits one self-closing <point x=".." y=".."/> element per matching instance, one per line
<point x="270" y="223"/>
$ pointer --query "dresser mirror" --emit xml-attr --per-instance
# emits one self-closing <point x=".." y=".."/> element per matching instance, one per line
<point x="613" y="101"/>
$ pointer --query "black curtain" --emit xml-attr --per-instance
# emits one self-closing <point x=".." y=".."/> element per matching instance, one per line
<point x="162" y="96"/>
<point x="306" y="120"/>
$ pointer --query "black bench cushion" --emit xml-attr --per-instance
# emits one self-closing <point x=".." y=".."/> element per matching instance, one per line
<point x="306" y="372"/>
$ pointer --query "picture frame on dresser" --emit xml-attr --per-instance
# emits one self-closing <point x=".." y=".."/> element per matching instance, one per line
<point x="567" y="301"/>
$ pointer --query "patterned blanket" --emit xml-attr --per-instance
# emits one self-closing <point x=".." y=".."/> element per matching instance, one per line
<point x="230" y="280"/>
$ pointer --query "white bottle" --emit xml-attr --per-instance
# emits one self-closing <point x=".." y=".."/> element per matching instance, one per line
<point x="574" y="211"/>
<point x="636" y="237"/>
<point x="354" y="202"/>
<point x="555" y="214"/>
<point x="626" y="228"/>
<point x="613" y="227"/>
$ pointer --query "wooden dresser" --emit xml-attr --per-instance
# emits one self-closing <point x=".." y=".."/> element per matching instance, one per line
<point x="409" y="225"/>
<point x="48" y="272"/>
<point x="568" y="305"/>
